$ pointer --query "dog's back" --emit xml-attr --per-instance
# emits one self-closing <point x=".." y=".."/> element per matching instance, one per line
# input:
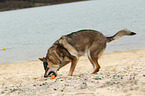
<point x="78" y="42"/>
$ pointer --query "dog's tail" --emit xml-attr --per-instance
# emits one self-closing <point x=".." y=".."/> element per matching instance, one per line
<point x="120" y="34"/>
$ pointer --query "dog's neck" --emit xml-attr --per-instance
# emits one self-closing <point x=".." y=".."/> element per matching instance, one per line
<point x="53" y="55"/>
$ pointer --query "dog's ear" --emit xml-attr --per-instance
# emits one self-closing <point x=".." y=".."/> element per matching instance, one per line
<point x="42" y="59"/>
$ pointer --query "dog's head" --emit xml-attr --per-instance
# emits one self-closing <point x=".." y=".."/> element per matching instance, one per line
<point x="49" y="67"/>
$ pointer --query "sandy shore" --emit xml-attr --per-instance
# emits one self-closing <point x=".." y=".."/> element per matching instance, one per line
<point x="121" y="74"/>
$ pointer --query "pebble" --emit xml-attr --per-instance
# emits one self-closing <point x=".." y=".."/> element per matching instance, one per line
<point x="34" y="85"/>
<point x="92" y="81"/>
<point x="54" y="89"/>
<point x="2" y="92"/>
<point x="97" y="78"/>
<point x="121" y="77"/>
<point x="84" y="85"/>
<point x="66" y="84"/>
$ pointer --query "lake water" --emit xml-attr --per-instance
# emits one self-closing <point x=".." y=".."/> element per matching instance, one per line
<point x="28" y="33"/>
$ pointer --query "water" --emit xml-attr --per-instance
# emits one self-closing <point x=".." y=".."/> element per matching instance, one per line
<point x="28" y="33"/>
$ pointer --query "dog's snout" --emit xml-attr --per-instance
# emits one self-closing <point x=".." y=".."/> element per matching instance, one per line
<point x="45" y="76"/>
<point x="52" y="73"/>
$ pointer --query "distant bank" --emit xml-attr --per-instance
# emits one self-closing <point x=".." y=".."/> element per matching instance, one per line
<point x="20" y="4"/>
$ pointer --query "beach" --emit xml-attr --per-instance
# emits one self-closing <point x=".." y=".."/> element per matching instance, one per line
<point x="121" y="74"/>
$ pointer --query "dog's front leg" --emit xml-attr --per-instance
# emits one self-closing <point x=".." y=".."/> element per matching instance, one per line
<point x="73" y="65"/>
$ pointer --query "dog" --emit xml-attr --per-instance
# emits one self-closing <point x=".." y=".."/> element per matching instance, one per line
<point x="70" y="47"/>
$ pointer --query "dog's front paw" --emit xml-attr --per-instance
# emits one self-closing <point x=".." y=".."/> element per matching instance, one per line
<point x="69" y="75"/>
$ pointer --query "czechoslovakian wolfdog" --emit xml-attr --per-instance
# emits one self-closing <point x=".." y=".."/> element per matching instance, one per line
<point x="70" y="47"/>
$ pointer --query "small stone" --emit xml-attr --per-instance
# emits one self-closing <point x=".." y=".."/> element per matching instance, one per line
<point x="66" y="85"/>
<point x="97" y="78"/>
<point x="2" y="92"/>
<point x="35" y="78"/>
<point x="14" y="90"/>
<point x="54" y="89"/>
<point x="6" y="90"/>
<point x="92" y="81"/>
<point x="118" y="76"/>
<point x="84" y="85"/>
<point x="122" y="77"/>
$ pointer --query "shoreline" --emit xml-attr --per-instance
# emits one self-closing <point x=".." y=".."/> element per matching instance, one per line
<point x="24" y="61"/>
<point x="4" y="6"/>
<point x="121" y="73"/>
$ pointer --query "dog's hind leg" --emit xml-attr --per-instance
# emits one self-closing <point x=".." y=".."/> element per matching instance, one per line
<point x="97" y="66"/>
<point x="89" y="57"/>
<point x="73" y="65"/>
<point x="96" y="51"/>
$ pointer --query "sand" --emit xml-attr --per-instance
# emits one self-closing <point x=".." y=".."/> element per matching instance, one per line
<point x="121" y="74"/>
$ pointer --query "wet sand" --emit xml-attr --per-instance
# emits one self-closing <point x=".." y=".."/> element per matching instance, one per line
<point x="121" y="74"/>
